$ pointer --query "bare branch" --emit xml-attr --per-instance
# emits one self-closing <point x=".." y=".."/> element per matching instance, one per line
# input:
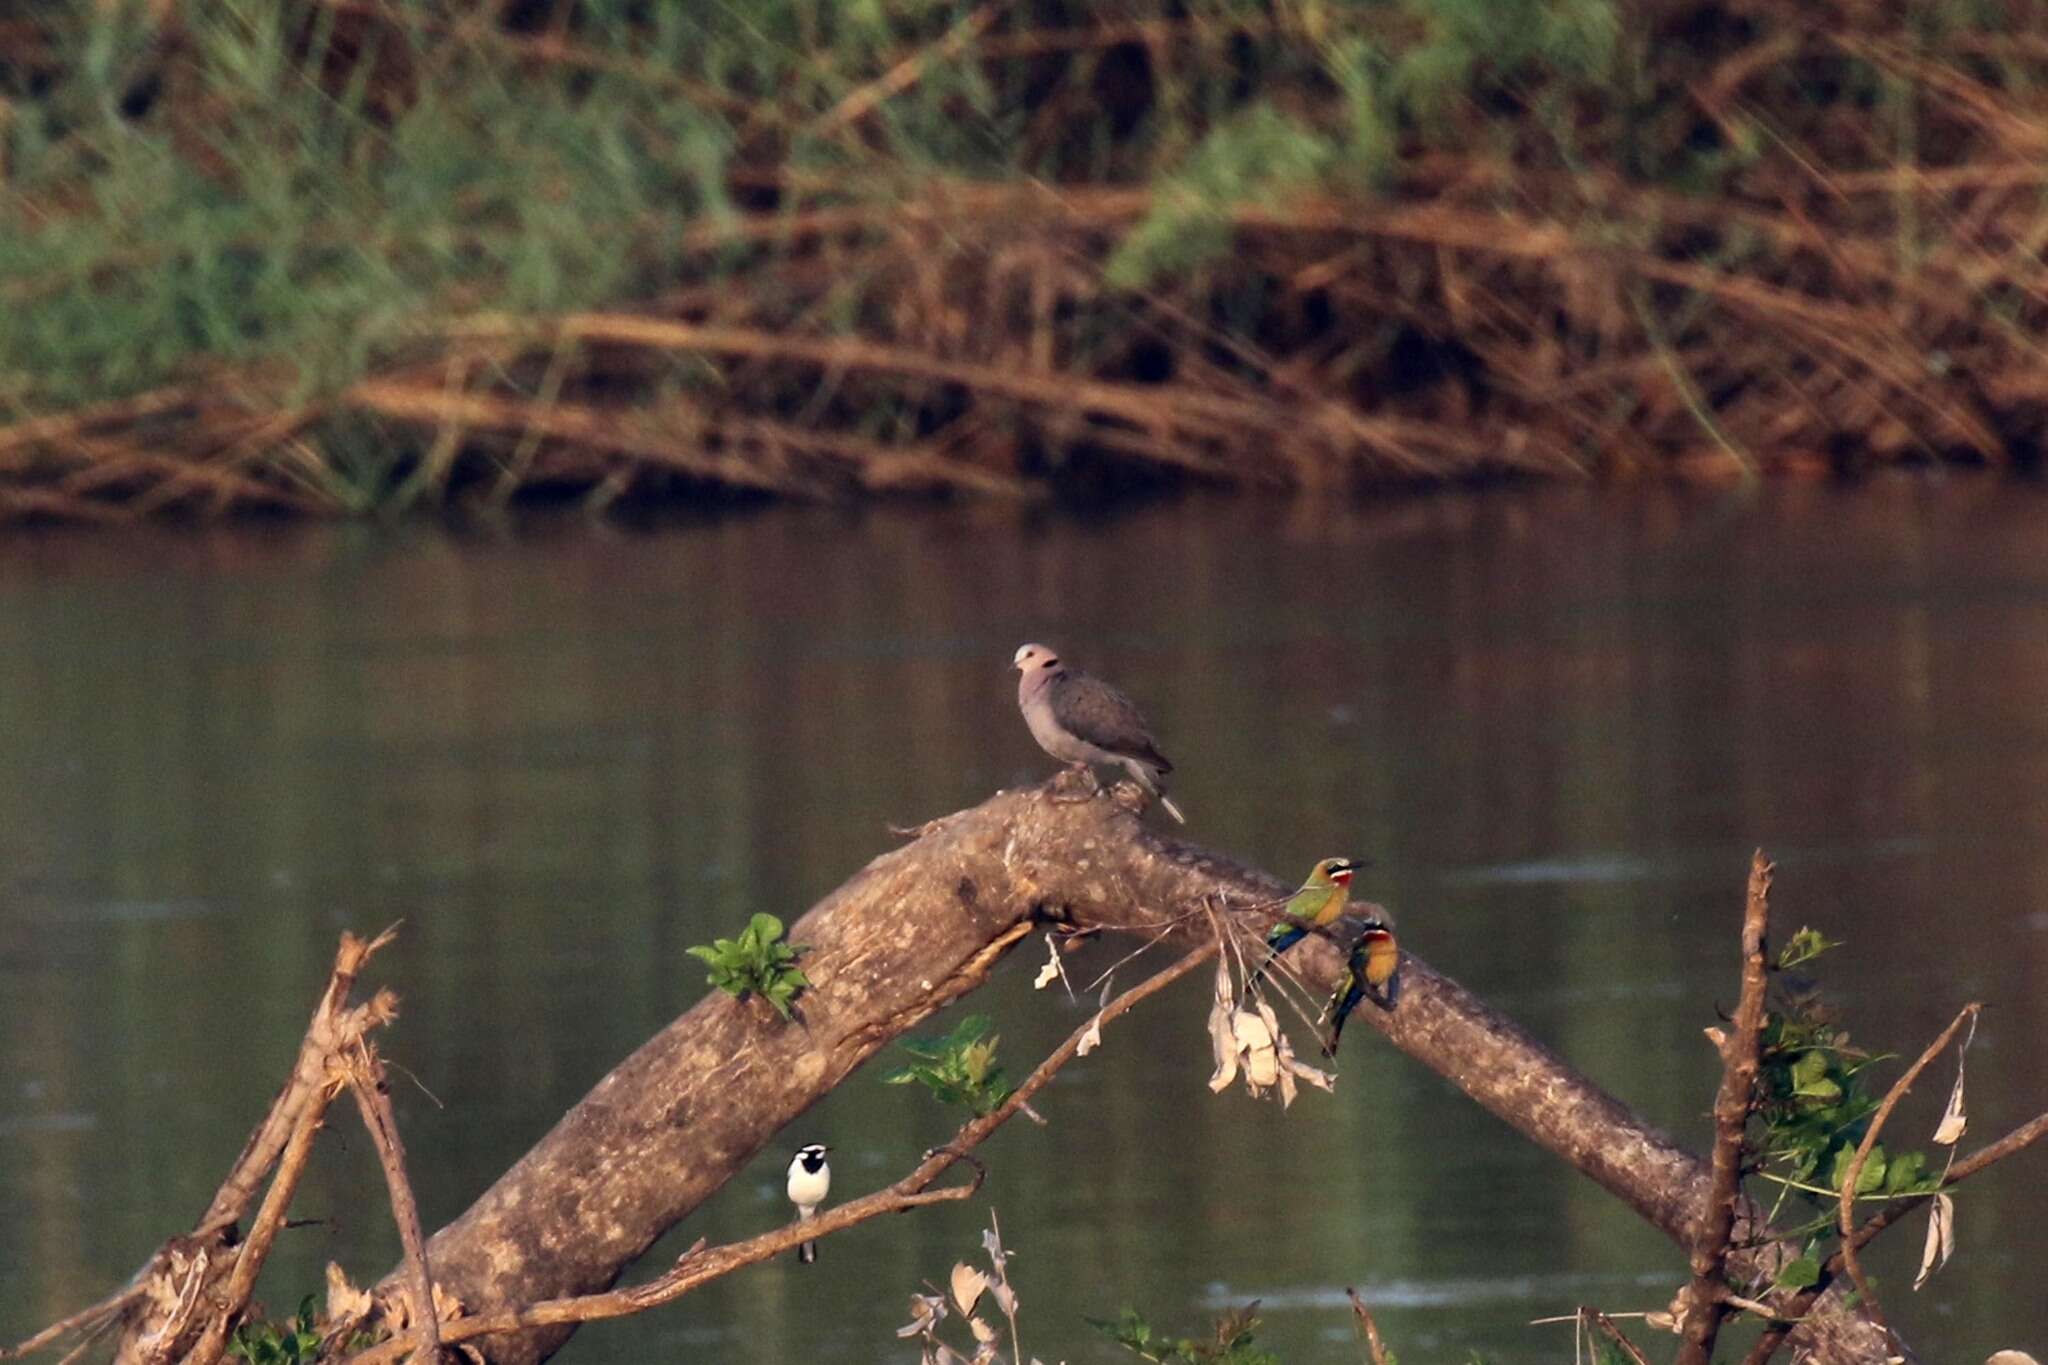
<point x="249" y="1259"/>
<point x="309" y="1076"/>
<point x="1367" y="1327"/>
<point x="368" y="1082"/>
<point x="1704" y="1298"/>
<point x="697" y="1266"/>
<point x="89" y="1321"/>
<point x="1599" y="1321"/>
<point x="202" y="1274"/>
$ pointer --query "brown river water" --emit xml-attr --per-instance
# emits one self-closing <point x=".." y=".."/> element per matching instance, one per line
<point x="1557" y="721"/>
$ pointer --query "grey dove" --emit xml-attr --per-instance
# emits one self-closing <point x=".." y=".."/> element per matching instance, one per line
<point x="1082" y="720"/>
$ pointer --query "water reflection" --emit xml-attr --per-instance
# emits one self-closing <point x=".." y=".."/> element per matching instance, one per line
<point x="1557" y="721"/>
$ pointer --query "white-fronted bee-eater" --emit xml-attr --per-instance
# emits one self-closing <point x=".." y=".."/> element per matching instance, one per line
<point x="1372" y="971"/>
<point x="810" y="1180"/>
<point x="1320" y="902"/>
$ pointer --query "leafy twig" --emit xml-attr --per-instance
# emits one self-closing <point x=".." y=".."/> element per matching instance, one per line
<point x="1845" y="1210"/>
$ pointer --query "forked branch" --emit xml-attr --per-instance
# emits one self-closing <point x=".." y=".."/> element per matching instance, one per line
<point x="698" y="1266"/>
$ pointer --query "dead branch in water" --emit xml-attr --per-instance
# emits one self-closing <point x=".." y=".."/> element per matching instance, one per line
<point x="916" y="929"/>
<point x="697" y="1266"/>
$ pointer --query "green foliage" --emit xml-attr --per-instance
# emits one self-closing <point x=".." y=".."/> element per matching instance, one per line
<point x="310" y="228"/>
<point x="1803" y="947"/>
<point x="958" y="1067"/>
<point x="1230" y="1341"/>
<point x="1256" y="157"/>
<point x="276" y="198"/>
<point x="757" y="962"/>
<point x="313" y="223"/>
<point x="1813" y="1104"/>
<point x="1802" y="1272"/>
<point x="295" y="1341"/>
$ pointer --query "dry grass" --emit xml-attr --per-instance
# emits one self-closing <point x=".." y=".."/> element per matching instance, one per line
<point x="1740" y="241"/>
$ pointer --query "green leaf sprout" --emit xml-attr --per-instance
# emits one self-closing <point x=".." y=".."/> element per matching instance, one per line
<point x="757" y="963"/>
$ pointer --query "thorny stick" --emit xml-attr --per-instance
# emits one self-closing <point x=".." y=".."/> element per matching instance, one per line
<point x="1846" y="1209"/>
<point x="367" y="1082"/>
<point x="698" y="1266"/>
<point x="1703" y="1304"/>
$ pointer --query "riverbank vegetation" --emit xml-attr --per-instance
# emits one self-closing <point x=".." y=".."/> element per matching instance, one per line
<point x="343" y="255"/>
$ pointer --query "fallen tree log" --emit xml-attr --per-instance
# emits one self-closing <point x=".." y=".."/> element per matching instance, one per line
<point x="918" y="928"/>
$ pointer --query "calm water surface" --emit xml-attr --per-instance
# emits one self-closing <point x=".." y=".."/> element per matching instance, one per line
<point x="1558" y="721"/>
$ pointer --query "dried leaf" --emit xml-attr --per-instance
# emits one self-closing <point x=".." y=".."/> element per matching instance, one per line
<point x="1252" y="1036"/>
<point x="1222" y="1039"/>
<point x="969" y="1285"/>
<point x="926" y="1312"/>
<point x="1953" y="1122"/>
<point x="446" y="1306"/>
<point x="1092" y="1039"/>
<point x="1325" y="1081"/>
<point x="1053" y="970"/>
<point x="1941" y="1238"/>
<point x="1953" y="1119"/>
<point x="983" y="1333"/>
<point x="999" y="1268"/>
<point x="345" y="1302"/>
<point x="1283" y="1057"/>
<point x="992" y="1244"/>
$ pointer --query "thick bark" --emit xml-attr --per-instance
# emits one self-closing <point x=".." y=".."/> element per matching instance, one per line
<point x="916" y="929"/>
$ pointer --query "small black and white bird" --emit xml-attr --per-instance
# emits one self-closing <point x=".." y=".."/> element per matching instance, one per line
<point x="810" y="1180"/>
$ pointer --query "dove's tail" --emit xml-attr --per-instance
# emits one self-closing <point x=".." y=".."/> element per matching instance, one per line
<point x="1148" y="777"/>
